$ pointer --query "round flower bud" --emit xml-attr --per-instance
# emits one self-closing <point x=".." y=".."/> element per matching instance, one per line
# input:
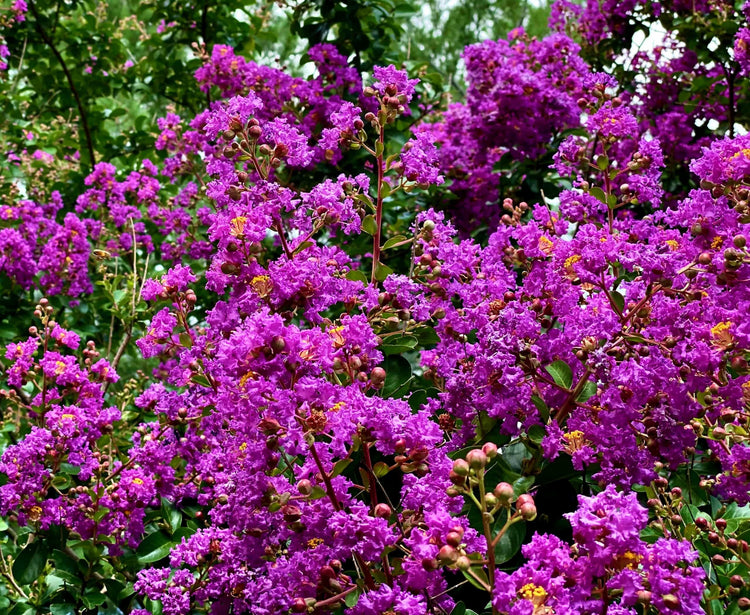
<point x="382" y="510"/>
<point x="504" y="493"/>
<point x="460" y="467"/>
<point x="524" y="498"/>
<point x="299" y="605"/>
<point x="528" y="511"/>
<point x="671" y="601"/>
<point x="429" y="563"/>
<point x="453" y="539"/>
<point x="476" y="459"/>
<point x="304" y="487"/>
<point x="447" y="555"/>
<point x="744" y="603"/>
<point x="490" y="449"/>
<point x="377" y="375"/>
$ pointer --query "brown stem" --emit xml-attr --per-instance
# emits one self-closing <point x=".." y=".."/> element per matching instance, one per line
<point x="378" y="208"/>
<point x="369" y="581"/>
<point x="371" y="474"/>
<point x="334" y="599"/>
<point x="569" y="402"/>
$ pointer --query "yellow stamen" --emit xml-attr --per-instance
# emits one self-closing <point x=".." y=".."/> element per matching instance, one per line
<point x="546" y="245"/>
<point x="314" y="543"/>
<point x="237" y="226"/>
<point x="572" y="260"/>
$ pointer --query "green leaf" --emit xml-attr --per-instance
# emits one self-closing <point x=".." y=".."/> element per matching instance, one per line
<point x="618" y="300"/>
<point x="153" y="548"/>
<point x="30" y="563"/>
<point x="510" y="543"/>
<point x="611" y="201"/>
<point x="22" y="608"/>
<point x="380" y="469"/>
<point x="379" y="148"/>
<point x="394" y="242"/>
<point x="398" y="344"/>
<point x="340" y="466"/>
<point x="459" y="609"/>
<point x="561" y="373"/>
<point x="317" y="493"/>
<point x="588" y="390"/>
<point x="369" y="225"/>
<point x="93" y="597"/>
<point x="398" y="374"/>
<point x="382" y="272"/>
<point x="523" y="484"/>
<point x="356" y="276"/>
<point x="598" y="194"/>
<point x="602" y="162"/>
<point x="541" y="407"/>
<point x="479" y="572"/>
<point x="171" y="515"/>
<point x="536" y="433"/>
<point x="351" y="599"/>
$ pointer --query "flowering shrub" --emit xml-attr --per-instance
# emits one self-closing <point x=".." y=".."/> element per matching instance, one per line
<point x="329" y="397"/>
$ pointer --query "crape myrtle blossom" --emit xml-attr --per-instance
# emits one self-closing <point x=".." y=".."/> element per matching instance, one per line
<point x="338" y="432"/>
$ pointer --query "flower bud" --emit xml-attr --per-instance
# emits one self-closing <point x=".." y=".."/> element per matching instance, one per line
<point x="304" y="487"/>
<point x="382" y="511"/>
<point x="453" y="539"/>
<point x="377" y="376"/>
<point x="461" y="467"/>
<point x="528" y="511"/>
<point x="448" y="555"/>
<point x="504" y="493"/>
<point x="476" y="459"/>
<point x="490" y="449"/>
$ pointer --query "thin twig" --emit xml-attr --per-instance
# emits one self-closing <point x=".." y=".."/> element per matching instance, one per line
<point x="79" y="103"/>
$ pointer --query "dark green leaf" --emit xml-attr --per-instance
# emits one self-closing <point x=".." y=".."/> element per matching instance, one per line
<point x="561" y="373"/>
<point x="588" y="390"/>
<point x="153" y="548"/>
<point x="30" y="563"/>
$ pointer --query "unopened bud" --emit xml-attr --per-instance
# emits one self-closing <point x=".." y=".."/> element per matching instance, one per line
<point x="382" y="511"/>
<point x="476" y="459"/>
<point x="447" y="555"/>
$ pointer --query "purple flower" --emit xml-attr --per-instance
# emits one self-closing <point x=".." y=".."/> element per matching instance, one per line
<point x="389" y="80"/>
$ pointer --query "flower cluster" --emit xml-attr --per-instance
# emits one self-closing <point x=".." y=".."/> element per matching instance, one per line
<point x="354" y="407"/>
